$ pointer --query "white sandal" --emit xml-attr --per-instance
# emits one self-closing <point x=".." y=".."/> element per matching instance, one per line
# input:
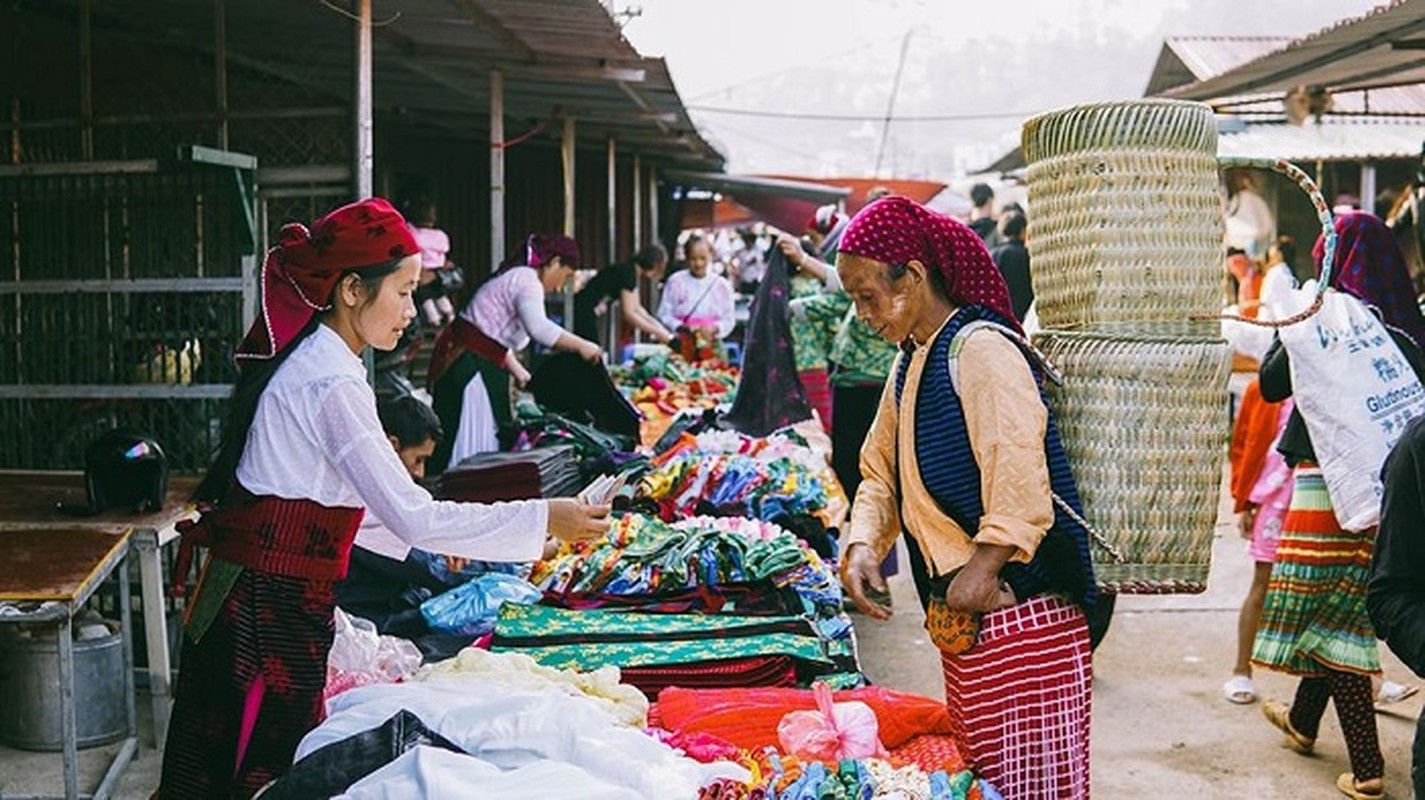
<point x="1239" y="689"/>
<point x="1392" y="692"/>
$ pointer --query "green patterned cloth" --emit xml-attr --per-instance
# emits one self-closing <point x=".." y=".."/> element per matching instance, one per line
<point x="860" y="354"/>
<point x="814" y="322"/>
<point x="589" y="639"/>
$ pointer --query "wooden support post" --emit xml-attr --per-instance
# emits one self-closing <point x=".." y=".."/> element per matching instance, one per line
<point x="637" y="201"/>
<point x="566" y="152"/>
<point x="613" y="201"/>
<point x="654" y="231"/>
<point x="362" y="157"/>
<point x="497" y="167"/>
<point x="1368" y="187"/>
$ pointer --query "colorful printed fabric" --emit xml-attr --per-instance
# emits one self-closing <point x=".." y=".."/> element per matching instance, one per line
<point x="645" y="556"/>
<point x="1315" y="614"/>
<point x="724" y="473"/>
<point x="661" y="385"/>
<point x="860" y="354"/>
<point x="587" y="640"/>
<point x="815" y="320"/>
<point x="741" y="486"/>
<point x="776" y="776"/>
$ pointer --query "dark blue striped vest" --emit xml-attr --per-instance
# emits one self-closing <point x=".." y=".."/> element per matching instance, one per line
<point x="949" y="471"/>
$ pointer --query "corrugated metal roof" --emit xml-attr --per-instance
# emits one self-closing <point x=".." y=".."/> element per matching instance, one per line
<point x="1387" y="101"/>
<point x="432" y="59"/>
<point x="1381" y="48"/>
<point x="1187" y="59"/>
<point x="1332" y="140"/>
<point x="1209" y="56"/>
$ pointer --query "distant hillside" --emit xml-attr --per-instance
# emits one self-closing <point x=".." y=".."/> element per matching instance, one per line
<point x="960" y="73"/>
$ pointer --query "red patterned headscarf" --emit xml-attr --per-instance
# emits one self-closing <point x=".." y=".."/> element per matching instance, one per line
<point x="895" y="230"/>
<point x="1369" y="266"/>
<point x="541" y="248"/>
<point x="300" y="273"/>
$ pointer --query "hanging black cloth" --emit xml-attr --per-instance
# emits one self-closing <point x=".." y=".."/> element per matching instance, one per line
<point x="567" y="384"/>
<point x="769" y="394"/>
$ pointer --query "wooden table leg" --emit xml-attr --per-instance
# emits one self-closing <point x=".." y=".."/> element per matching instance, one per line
<point x="155" y="617"/>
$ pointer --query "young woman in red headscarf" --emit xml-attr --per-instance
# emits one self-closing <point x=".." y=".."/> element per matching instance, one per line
<point x="965" y="455"/>
<point x="471" y="366"/>
<point x="1314" y="623"/>
<point x="303" y="457"/>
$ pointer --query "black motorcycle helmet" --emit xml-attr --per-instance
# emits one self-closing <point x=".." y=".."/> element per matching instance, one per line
<point x="124" y="469"/>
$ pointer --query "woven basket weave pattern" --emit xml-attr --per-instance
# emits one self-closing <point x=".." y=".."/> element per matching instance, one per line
<point x="1144" y="423"/>
<point x="1126" y="221"/>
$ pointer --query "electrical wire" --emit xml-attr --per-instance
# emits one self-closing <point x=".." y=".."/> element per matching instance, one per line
<point x="811" y="115"/>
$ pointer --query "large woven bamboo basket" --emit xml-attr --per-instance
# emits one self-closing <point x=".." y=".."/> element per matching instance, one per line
<point x="1125" y="223"/>
<point x="1144" y="421"/>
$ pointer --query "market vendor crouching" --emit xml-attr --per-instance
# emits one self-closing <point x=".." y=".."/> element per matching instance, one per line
<point x="302" y="458"/>
<point x="964" y="455"/>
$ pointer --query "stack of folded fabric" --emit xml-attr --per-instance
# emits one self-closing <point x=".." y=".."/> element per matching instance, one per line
<point x="748" y="585"/>
<point x="645" y="556"/>
<point x="656" y="651"/>
<point x="492" y="477"/>
<point x="597" y="451"/>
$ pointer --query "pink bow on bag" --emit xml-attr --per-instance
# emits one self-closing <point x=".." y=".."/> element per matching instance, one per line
<point x="836" y="731"/>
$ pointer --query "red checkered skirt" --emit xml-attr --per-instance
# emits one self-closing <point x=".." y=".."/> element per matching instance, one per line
<point x="1020" y="700"/>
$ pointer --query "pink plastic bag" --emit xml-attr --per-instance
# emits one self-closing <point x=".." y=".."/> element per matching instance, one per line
<point x="360" y="656"/>
<point x="836" y="731"/>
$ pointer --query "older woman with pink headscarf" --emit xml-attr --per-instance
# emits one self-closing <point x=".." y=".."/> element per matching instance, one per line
<point x="965" y="456"/>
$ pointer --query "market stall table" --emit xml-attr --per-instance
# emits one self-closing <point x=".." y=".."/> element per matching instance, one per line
<point x="39" y="499"/>
<point x="48" y="573"/>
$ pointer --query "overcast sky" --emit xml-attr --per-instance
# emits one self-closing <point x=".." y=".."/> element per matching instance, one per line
<point x="988" y="63"/>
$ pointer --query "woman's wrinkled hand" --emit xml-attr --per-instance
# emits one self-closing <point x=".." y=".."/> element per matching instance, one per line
<point x="862" y="579"/>
<point x="976" y="589"/>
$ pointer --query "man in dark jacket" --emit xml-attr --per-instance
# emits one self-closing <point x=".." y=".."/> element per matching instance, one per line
<point x="1396" y="594"/>
<point x="1012" y="258"/>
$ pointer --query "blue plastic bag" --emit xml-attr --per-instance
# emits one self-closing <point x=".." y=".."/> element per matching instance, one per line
<point x="470" y="609"/>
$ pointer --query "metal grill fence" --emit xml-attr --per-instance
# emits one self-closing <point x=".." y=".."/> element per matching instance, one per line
<point x="122" y="294"/>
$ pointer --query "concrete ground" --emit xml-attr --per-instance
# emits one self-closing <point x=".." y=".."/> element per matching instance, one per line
<point x="1161" y="728"/>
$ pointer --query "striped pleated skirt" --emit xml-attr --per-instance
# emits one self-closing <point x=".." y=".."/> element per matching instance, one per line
<point x="1020" y="700"/>
<point x="1315" y="616"/>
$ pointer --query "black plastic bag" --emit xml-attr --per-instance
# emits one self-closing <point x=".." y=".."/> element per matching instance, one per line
<point x="333" y="769"/>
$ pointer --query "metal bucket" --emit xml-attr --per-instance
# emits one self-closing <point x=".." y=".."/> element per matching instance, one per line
<point x="29" y="690"/>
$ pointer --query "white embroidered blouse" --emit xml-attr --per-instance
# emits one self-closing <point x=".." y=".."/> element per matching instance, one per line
<point x="316" y="437"/>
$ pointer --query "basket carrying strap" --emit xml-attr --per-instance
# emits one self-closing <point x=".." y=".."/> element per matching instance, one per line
<point x="1036" y="359"/>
